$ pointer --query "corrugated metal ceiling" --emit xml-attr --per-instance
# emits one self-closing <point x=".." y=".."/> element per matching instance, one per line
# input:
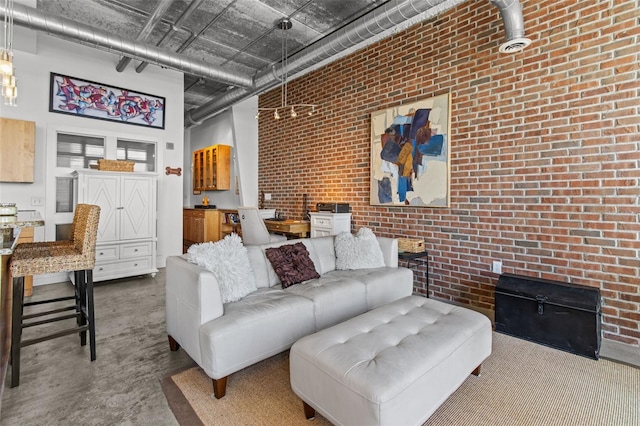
<point x="239" y="36"/>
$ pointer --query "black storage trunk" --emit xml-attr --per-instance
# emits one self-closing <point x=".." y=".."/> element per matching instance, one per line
<point x="561" y="315"/>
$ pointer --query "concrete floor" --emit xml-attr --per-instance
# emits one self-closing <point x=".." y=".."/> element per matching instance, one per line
<point x="59" y="385"/>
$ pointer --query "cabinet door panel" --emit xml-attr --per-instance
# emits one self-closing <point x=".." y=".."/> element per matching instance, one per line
<point x="103" y="191"/>
<point x="137" y="208"/>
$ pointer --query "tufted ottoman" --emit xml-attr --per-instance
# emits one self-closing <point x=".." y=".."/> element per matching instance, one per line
<point x="393" y="365"/>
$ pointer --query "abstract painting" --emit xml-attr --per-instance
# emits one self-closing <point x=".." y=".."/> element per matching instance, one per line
<point x="83" y="98"/>
<point x="410" y="154"/>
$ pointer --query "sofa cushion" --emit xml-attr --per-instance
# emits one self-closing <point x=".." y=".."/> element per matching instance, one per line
<point x="292" y="263"/>
<point x="358" y="251"/>
<point x="335" y="298"/>
<point x="264" y="323"/>
<point x="228" y="261"/>
<point x="383" y="285"/>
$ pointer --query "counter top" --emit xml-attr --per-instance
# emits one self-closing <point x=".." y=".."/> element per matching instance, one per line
<point x="24" y="219"/>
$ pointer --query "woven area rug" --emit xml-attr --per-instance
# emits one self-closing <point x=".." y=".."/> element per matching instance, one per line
<point x="522" y="383"/>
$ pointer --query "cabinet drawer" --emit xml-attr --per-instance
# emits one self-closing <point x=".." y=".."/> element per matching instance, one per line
<point x="135" y="250"/>
<point x="106" y="253"/>
<point x="141" y="265"/>
<point x="325" y="222"/>
<point x="320" y="233"/>
<point x="193" y="213"/>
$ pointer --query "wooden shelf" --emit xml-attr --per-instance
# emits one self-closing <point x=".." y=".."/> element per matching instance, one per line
<point x="212" y="168"/>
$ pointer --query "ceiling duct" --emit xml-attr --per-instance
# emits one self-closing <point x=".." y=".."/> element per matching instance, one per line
<point x="396" y="15"/>
<point x="93" y="37"/>
<point x="511" y="13"/>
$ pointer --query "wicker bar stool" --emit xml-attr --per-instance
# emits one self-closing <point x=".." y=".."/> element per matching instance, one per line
<point x="77" y="255"/>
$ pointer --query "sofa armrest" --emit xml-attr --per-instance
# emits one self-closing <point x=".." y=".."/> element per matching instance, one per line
<point x="389" y="247"/>
<point x="192" y="299"/>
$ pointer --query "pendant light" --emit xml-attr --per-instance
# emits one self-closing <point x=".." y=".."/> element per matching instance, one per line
<point x="7" y="69"/>
<point x="284" y="25"/>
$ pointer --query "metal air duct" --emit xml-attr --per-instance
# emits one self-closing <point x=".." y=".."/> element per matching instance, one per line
<point x="361" y="32"/>
<point x="511" y="13"/>
<point x="395" y="15"/>
<point x="87" y="35"/>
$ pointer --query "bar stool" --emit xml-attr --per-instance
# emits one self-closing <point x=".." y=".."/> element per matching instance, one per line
<point x="77" y="255"/>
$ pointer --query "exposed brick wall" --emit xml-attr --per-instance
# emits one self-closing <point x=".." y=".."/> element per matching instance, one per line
<point x="545" y="148"/>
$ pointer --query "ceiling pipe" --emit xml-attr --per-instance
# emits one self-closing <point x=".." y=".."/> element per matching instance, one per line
<point x="154" y="18"/>
<point x="395" y="15"/>
<point x="381" y="19"/>
<point x="511" y="13"/>
<point x="174" y="29"/>
<point x="84" y="34"/>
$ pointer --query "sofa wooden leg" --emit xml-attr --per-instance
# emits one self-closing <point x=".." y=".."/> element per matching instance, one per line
<point x="220" y="387"/>
<point x="476" y="372"/>
<point x="309" y="411"/>
<point x="173" y="345"/>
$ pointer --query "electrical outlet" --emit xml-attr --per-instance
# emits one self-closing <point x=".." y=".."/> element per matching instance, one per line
<point x="37" y="201"/>
<point x="267" y="197"/>
<point x="497" y="267"/>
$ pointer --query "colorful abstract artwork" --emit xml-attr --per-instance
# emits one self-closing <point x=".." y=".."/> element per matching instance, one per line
<point x="410" y="154"/>
<point x="70" y="95"/>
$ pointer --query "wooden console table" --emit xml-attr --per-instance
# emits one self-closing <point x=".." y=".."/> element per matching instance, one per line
<point x="296" y="228"/>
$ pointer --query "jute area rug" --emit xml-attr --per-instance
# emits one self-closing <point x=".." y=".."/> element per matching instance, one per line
<point x="521" y="383"/>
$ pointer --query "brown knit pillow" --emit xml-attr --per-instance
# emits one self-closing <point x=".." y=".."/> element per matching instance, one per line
<point x="292" y="264"/>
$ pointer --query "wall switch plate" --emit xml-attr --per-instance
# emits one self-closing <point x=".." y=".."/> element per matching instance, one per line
<point x="496" y="268"/>
<point x="37" y="201"/>
<point x="267" y="197"/>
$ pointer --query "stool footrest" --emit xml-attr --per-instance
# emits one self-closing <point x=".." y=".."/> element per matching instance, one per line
<point x="53" y="311"/>
<point x="54" y="335"/>
<point x="50" y="320"/>
<point x="41" y="302"/>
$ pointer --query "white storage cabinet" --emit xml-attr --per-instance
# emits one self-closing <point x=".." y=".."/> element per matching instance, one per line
<point x="327" y="223"/>
<point x="127" y="234"/>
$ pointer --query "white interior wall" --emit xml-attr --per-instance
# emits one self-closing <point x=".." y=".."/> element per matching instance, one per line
<point x="238" y="128"/>
<point x="55" y="55"/>
<point x="245" y="132"/>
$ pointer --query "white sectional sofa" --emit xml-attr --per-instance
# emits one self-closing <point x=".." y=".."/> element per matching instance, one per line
<point x="225" y="338"/>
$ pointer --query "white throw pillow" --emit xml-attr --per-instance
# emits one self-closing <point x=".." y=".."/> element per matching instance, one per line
<point x="358" y="252"/>
<point x="229" y="262"/>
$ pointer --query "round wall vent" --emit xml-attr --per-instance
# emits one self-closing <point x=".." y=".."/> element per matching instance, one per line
<point x="515" y="45"/>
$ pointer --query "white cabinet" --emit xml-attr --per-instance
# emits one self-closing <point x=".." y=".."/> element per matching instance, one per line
<point x="127" y="237"/>
<point x="326" y="223"/>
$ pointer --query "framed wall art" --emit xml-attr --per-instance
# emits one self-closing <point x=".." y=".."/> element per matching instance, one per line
<point x="84" y="98"/>
<point x="410" y="163"/>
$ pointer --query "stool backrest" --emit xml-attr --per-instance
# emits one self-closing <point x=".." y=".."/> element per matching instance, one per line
<point x="85" y="231"/>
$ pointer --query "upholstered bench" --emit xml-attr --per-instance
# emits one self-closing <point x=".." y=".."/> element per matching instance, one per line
<point x="394" y="365"/>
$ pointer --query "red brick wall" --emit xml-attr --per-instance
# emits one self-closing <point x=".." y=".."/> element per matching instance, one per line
<point x="545" y="148"/>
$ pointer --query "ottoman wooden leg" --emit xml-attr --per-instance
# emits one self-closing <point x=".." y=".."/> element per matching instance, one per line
<point x="309" y="411"/>
<point x="173" y="345"/>
<point x="476" y="372"/>
<point x="220" y="387"/>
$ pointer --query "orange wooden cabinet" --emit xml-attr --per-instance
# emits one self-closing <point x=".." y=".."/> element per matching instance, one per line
<point x="212" y="168"/>
<point x="17" y="150"/>
<point x="198" y="226"/>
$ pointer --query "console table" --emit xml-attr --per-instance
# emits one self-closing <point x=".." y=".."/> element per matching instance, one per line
<point x="297" y="228"/>
<point x="415" y="257"/>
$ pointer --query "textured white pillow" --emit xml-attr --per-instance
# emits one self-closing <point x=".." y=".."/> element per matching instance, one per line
<point x="229" y="262"/>
<point x="358" y="252"/>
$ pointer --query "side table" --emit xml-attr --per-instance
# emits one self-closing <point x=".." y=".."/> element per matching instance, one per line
<point x="415" y="257"/>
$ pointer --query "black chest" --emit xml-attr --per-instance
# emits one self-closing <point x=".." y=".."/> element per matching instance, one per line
<point x="561" y="315"/>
